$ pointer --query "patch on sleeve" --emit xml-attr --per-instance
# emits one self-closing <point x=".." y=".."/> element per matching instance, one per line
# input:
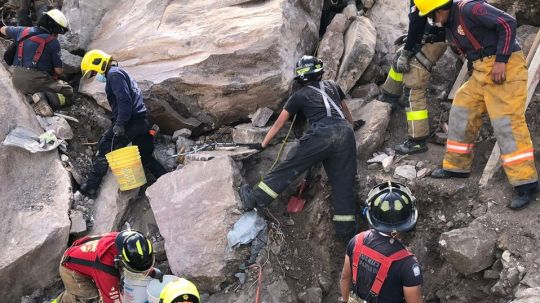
<point x="416" y="270"/>
<point x="413" y="9"/>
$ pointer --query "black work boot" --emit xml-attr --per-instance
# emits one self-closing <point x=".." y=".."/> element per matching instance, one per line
<point x="522" y="198"/>
<point x="411" y="146"/>
<point x="440" y="173"/>
<point x="391" y="99"/>
<point x="88" y="191"/>
<point x="246" y="197"/>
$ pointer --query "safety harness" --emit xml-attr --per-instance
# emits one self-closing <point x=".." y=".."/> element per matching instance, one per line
<point x="472" y="39"/>
<point x="327" y="100"/>
<point x="386" y="262"/>
<point x="41" y="46"/>
<point x="111" y="270"/>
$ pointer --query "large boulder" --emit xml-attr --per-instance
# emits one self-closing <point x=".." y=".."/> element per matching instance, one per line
<point x="470" y="249"/>
<point x="111" y="206"/>
<point x="390" y="18"/>
<point x="34" y="204"/>
<point x="372" y="135"/>
<point x="359" y="50"/>
<point x="331" y="46"/>
<point x="84" y="17"/>
<point x="229" y="57"/>
<point x="195" y="208"/>
<point x="526" y="11"/>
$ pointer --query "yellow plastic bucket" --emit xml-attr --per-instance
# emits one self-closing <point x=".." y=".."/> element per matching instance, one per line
<point x="127" y="167"/>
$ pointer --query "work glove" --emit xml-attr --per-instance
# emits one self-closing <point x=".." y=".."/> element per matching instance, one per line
<point x="257" y="146"/>
<point x="403" y="61"/>
<point x="358" y="124"/>
<point x="119" y="130"/>
<point x="156" y="274"/>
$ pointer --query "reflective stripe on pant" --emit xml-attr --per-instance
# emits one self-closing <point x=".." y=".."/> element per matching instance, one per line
<point x="78" y="288"/>
<point x="330" y="141"/>
<point x="505" y="105"/>
<point x="416" y="82"/>
<point x="394" y="81"/>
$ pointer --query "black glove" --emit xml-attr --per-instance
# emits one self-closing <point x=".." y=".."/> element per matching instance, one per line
<point x="156" y="274"/>
<point x="358" y="124"/>
<point x="119" y="130"/>
<point x="257" y="146"/>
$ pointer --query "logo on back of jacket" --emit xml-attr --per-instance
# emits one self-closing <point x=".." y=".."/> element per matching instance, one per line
<point x="460" y="30"/>
<point x="89" y="246"/>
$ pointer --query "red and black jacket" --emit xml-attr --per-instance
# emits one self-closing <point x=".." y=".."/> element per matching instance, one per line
<point x="481" y="30"/>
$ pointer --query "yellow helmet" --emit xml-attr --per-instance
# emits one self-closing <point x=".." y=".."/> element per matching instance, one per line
<point x="180" y="290"/>
<point x="94" y="62"/>
<point x="425" y="7"/>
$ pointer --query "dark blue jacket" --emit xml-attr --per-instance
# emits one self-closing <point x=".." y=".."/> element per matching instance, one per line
<point x="418" y="29"/>
<point x="124" y="96"/>
<point x="494" y="29"/>
<point x="50" y="58"/>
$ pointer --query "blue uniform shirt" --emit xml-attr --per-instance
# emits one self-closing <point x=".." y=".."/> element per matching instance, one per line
<point x="124" y="96"/>
<point x="50" y="58"/>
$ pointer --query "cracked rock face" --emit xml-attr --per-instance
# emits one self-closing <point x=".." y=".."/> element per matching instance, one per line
<point x="229" y="57"/>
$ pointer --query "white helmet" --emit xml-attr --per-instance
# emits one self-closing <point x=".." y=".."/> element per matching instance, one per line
<point x="54" y="21"/>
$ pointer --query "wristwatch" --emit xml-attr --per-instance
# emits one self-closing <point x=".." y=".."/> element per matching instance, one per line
<point x="340" y="300"/>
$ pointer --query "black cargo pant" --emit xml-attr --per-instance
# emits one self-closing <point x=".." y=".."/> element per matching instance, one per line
<point x="137" y="132"/>
<point x="330" y="141"/>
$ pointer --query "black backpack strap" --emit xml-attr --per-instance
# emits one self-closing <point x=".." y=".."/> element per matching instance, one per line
<point x="111" y="270"/>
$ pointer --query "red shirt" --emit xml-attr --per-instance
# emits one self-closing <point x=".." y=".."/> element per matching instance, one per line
<point x="104" y="250"/>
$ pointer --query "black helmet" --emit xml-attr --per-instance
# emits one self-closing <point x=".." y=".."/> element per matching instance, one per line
<point x="391" y="208"/>
<point x="308" y="69"/>
<point x="135" y="251"/>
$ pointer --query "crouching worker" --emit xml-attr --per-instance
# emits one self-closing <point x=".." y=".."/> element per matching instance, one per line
<point x="38" y="63"/>
<point x="329" y="139"/>
<point x="180" y="291"/>
<point x="129" y="122"/>
<point x="380" y="268"/>
<point x="91" y="268"/>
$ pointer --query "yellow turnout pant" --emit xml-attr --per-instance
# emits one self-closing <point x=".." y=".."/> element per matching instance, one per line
<point x="505" y="105"/>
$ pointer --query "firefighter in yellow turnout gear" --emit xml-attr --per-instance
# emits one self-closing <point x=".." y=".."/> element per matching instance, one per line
<point x="498" y="86"/>
<point x="409" y="76"/>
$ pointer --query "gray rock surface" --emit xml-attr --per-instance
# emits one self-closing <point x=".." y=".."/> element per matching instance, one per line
<point x="111" y="206"/>
<point x="78" y="224"/>
<point x="34" y="204"/>
<point x="261" y="117"/>
<point x="390" y="18"/>
<point x="330" y="52"/>
<point x="59" y="125"/>
<point x="311" y="295"/>
<point x="72" y="63"/>
<point x="371" y="136"/>
<point x="367" y="91"/>
<point x="469" y="249"/>
<point x="359" y="49"/>
<point x="195" y="78"/>
<point x="405" y="171"/>
<point x="526" y="11"/>
<point x="184" y="133"/>
<point x="199" y="200"/>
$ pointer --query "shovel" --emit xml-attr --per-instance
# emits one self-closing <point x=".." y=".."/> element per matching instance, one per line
<point x="296" y="203"/>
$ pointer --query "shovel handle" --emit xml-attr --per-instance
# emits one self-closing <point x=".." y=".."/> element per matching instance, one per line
<point x="302" y="187"/>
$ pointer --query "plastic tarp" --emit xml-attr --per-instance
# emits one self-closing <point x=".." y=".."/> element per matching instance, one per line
<point x="245" y="229"/>
<point x="27" y="139"/>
